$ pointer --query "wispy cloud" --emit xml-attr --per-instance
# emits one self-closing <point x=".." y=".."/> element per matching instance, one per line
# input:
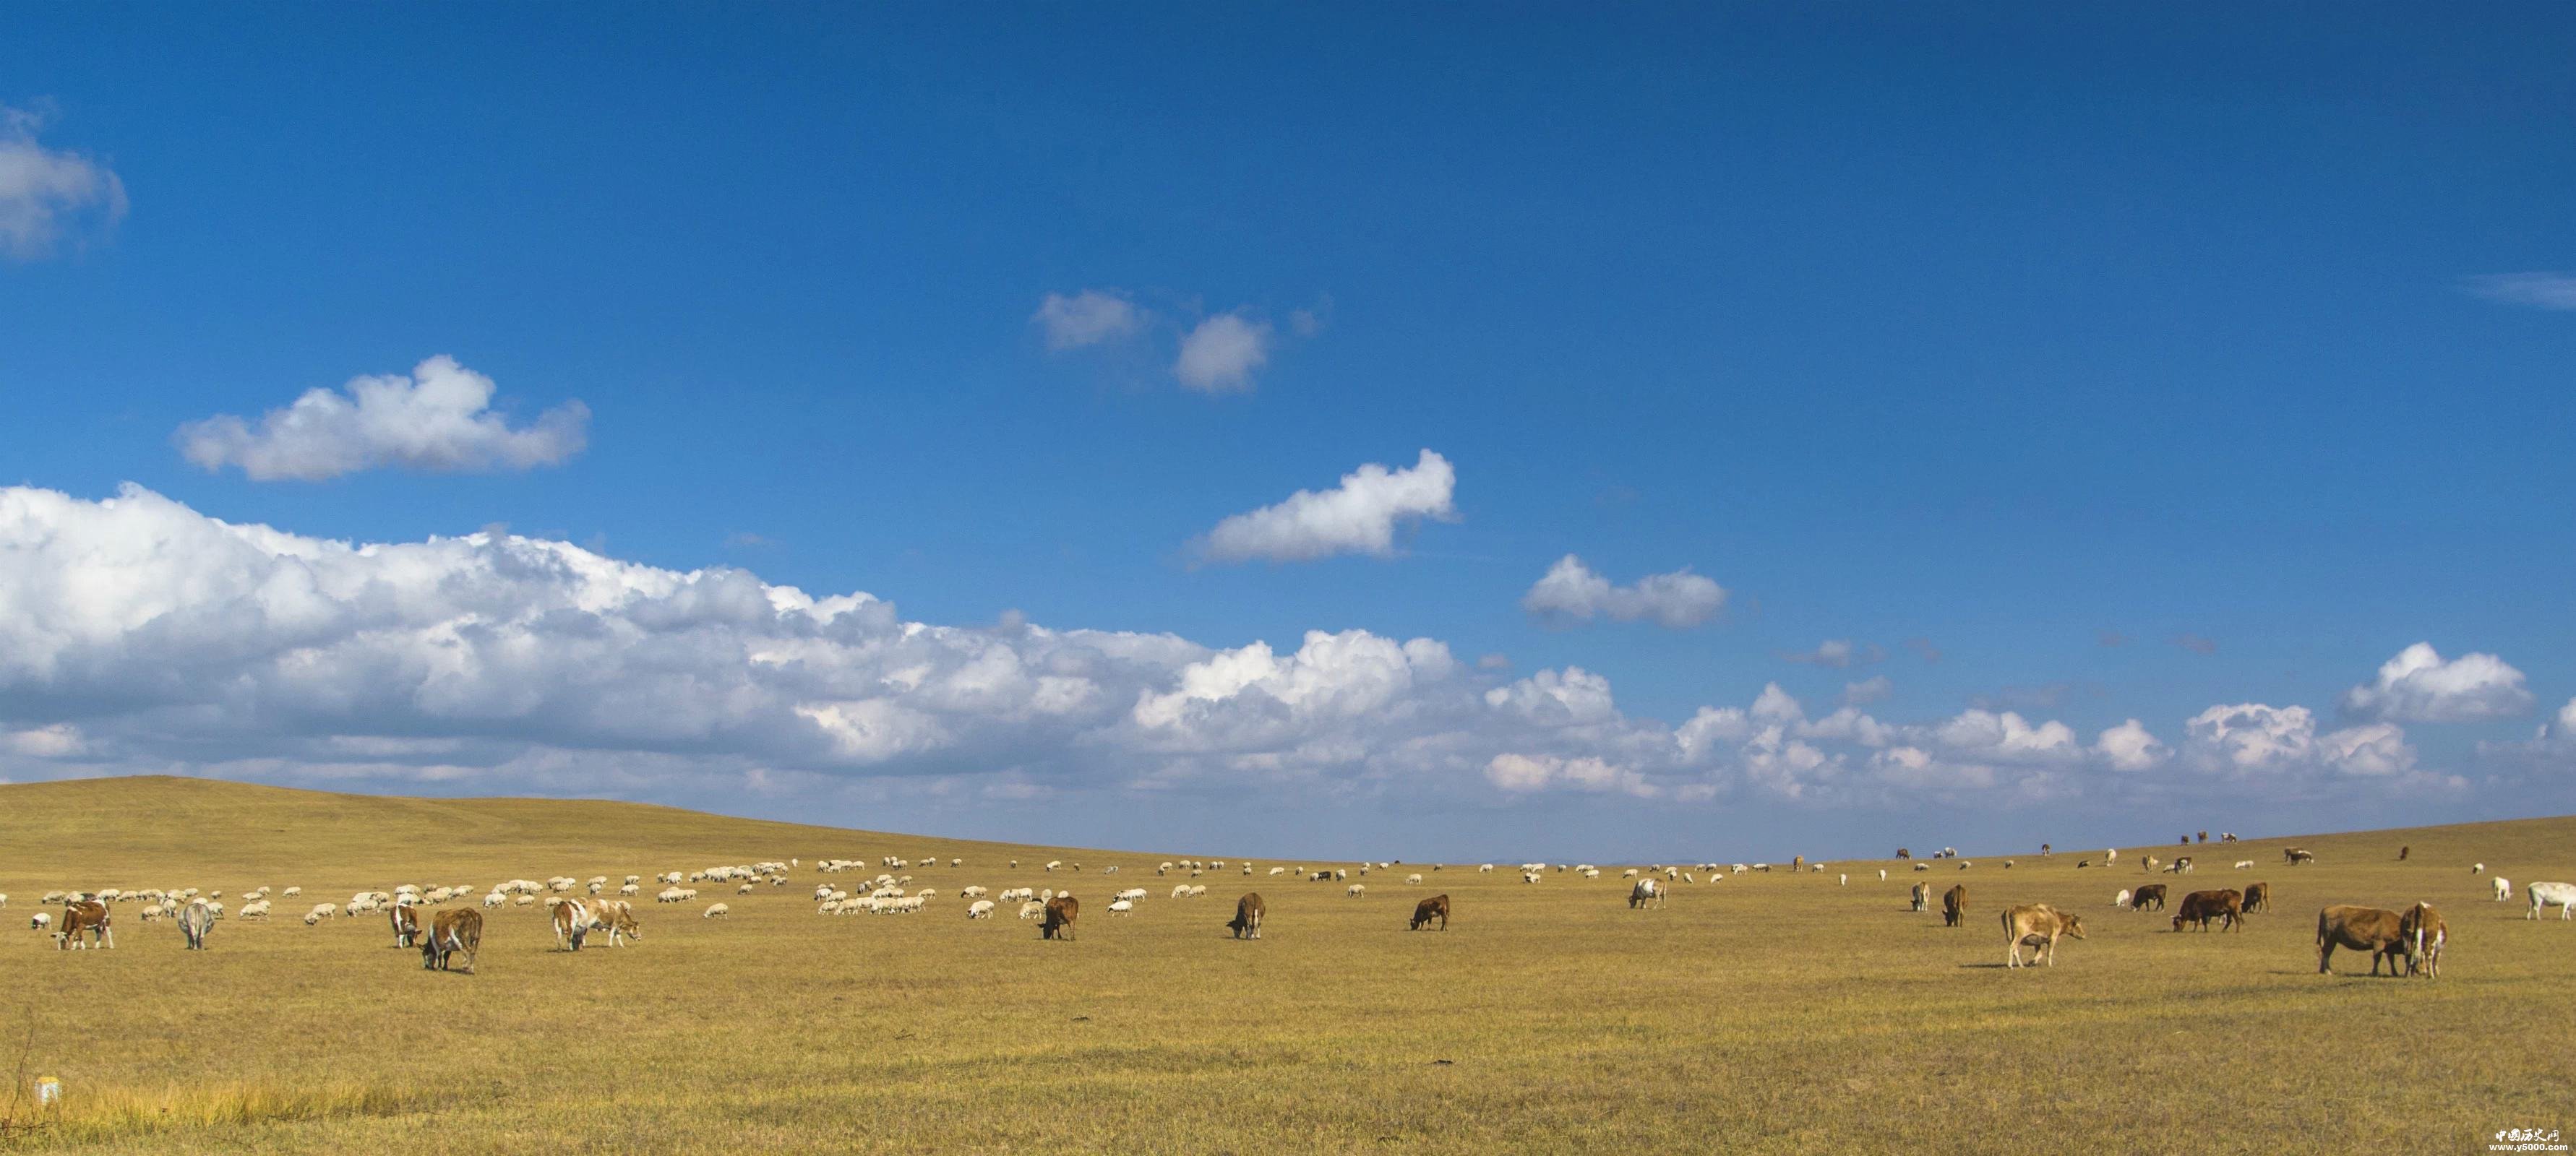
<point x="2195" y="643"/>
<point x="49" y="194"/>
<point x="1091" y="317"/>
<point x="1837" y="653"/>
<point x="2556" y="291"/>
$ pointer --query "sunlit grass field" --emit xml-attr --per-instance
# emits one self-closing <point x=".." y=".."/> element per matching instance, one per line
<point x="1766" y="1013"/>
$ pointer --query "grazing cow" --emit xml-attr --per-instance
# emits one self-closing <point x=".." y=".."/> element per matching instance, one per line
<point x="2149" y="863"/>
<point x="2402" y="852"/>
<point x="195" y="922"/>
<point x="2038" y="926"/>
<point x="572" y="923"/>
<point x="2204" y="836"/>
<point x="1246" y="923"/>
<point x="1954" y="906"/>
<point x="1902" y="853"/>
<point x="2151" y="893"/>
<point x="2503" y="888"/>
<point x="1436" y="907"/>
<point x="1061" y="911"/>
<point x="2370" y="929"/>
<point x="406" y="923"/>
<point x="2295" y="856"/>
<point x="2544" y="894"/>
<point x="1922" y="896"/>
<point x="2202" y="906"/>
<point x="81" y="915"/>
<point x="2181" y="865"/>
<point x="2045" y="851"/>
<point x="1645" y="894"/>
<point x="2421" y="932"/>
<point x="1797" y="862"/>
<point x="452" y="931"/>
<point x="2258" y="897"/>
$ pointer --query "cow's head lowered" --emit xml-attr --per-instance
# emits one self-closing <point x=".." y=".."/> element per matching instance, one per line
<point x="2071" y="924"/>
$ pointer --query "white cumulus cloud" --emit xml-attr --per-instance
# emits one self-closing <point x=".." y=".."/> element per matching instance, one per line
<point x="2129" y="747"/>
<point x="45" y="193"/>
<point x="2419" y="686"/>
<point x="1360" y="516"/>
<point x="1222" y="353"/>
<point x="438" y="418"/>
<point x="1570" y="591"/>
<point x="1091" y="317"/>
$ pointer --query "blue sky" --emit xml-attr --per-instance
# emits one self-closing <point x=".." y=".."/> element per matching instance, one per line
<point x="1995" y="332"/>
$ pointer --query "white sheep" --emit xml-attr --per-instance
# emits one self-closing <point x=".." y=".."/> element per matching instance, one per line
<point x="2477" y="868"/>
<point x="1357" y="890"/>
<point x="41" y="921"/>
<point x="2121" y="899"/>
<point x="2503" y="889"/>
<point x="292" y="892"/>
<point x="717" y="911"/>
<point x="1180" y="891"/>
<point x="1529" y="876"/>
<point x="1121" y="907"/>
<point x="980" y="909"/>
<point x="1032" y="909"/>
<point x="1414" y="880"/>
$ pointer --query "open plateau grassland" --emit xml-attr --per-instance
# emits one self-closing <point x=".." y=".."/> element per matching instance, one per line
<point x="1765" y="1013"/>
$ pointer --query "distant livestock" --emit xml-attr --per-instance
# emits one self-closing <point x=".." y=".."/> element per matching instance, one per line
<point x="2151" y="893"/>
<point x="2200" y="907"/>
<point x="980" y="909"/>
<point x="2503" y="889"/>
<point x="1922" y="896"/>
<point x="406" y="924"/>
<point x="1246" y="923"/>
<point x="453" y="931"/>
<point x="1436" y="907"/>
<point x="1645" y="894"/>
<point x="2122" y="899"/>
<point x="2258" y="897"/>
<point x="81" y="915"/>
<point x="1121" y="906"/>
<point x="2544" y="894"/>
<point x="2037" y="926"/>
<point x="1032" y="909"/>
<point x="1954" y="906"/>
<point x="2295" y="856"/>
<point x="2370" y="929"/>
<point x="720" y="911"/>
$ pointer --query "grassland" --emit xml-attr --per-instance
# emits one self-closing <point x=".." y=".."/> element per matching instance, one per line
<point x="1767" y="1013"/>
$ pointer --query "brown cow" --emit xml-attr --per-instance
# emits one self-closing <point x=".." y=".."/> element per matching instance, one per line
<point x="81" y="915"/>
<point x="2202" y="906"/>
<point x="452" y="931"/>
<point x="2421" y="933"/>
<point x="2204" y="836"/>
<point x="2370" y="929"/>
<point x="1902" y="853"/>
<point x="1247" y="917"/>
<point x="406" y="924"/>
<point x="2037" y="925"/>
<point x="2258" y="897"/>
<point x="1954" y="906"/>
<point x="1922" y="896"/>
<point x="1061" y="911"/>
<point x="1436" y="907"/>
<point x="2402" y="851"/>
<point x="2151" y="893"/>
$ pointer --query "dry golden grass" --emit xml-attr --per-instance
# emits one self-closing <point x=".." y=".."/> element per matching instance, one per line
<point x="1767" y="1013"/>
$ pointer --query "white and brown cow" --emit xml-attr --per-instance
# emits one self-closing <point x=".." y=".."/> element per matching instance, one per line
<point x="81" y="915"/>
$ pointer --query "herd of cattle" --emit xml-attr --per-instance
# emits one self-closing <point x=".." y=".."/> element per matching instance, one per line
<point x="2414" y="937"/>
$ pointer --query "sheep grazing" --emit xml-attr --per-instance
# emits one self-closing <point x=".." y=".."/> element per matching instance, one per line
<point x="980" y="909"/>
<point x="2477" y="868"/>
<point x="2503" y="889"/>
<point x="1413" y="880"/>
<point x="717" y="911"/>
<point x="1122" y="907"/>
<point x="1032" y="909"/>
<point x="1357" y="890"/>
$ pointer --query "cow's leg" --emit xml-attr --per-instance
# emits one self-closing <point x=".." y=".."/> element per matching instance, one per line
<point x="2325" y="952"/>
